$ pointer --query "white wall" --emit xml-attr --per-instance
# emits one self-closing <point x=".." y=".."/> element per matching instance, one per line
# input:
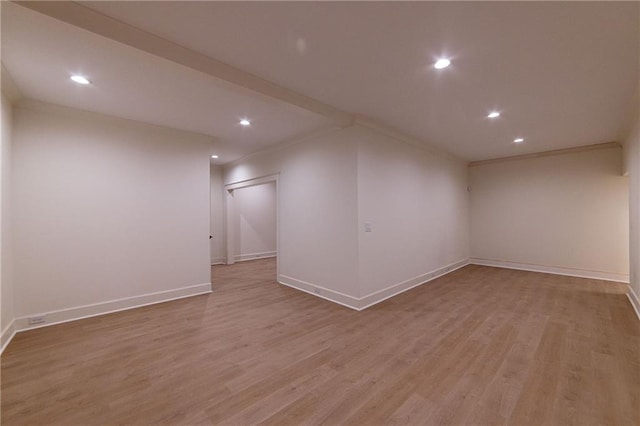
<point x="632" y="169"/>
<point x="330" y="185"/>
<point x="105" y="209"/>
<point x="562" y="213"/>
<point x="417" y="204"/>
<point x="218" y="254"/>
<point x="255" y="221"/>
<point x="6" y="278"/>
<point x="317" y="208"/>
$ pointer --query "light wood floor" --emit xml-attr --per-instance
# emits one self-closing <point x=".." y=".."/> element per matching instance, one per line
<point x="479" y="346"/>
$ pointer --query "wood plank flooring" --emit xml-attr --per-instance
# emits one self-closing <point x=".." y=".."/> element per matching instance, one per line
<point x="480" y="346"/>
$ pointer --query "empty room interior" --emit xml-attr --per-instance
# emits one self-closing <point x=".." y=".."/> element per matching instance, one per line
<point x="361" y="213"/>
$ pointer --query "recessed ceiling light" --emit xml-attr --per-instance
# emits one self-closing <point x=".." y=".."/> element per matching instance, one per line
<point x="493" y="114"/>
<point x="245" y="122"/>
<point x="80" y="79"/>
<point x="518" y="140"/>
<point x="214" y="156"/>
<point x="442" y="63"/>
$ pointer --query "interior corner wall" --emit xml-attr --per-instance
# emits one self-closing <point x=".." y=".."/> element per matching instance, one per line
<point x="218" y="254"/>
<point x="317" y="211"/>
<point x="108" y="213"/>
<point x="632" y="168"/>
<point x="416" y="204"/>
<point x="255" y="221"/>
<point x="564" y="214"/>
<point x="6" y="277"/>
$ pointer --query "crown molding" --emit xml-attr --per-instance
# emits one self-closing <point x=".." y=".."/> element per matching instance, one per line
<point x="573" y="150"/>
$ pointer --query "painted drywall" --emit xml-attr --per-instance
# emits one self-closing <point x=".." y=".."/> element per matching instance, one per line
<point x="6" y="278"/>
<point x="330" y="185"/>
<point x="562" y="213"/>
<point x="108" y="213"/>
<point x="216" y="243"/>
<point x="255" y="221"/>
<point x="632" y="170"/>
<point x="317" y="211"/>
<point x="416" y="204"/>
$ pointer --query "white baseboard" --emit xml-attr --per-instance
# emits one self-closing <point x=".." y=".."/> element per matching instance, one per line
<point x="103" y="308"/>
<point x="319" y="291"/>
<point x="7" y="335"/>
<point x="218" y="261"/>
<point x="406" y="285"/>
<point x="557" y="270"/>
<point x="361" y="303"/>
<point x="635" y="301"/>
<point x="254" y="256"/>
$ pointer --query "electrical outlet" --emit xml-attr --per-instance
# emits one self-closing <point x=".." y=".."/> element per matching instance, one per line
<point x="39" y="319"/>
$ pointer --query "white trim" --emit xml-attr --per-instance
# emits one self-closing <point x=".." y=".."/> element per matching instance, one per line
<point x="635" y="301"/>
<point x="218" y="261"/>
<point x="557" y="270"/>
<point x="361" y="303"/>
<point x="407" y="285"/>
<point x="319" y="291"/>
<point x="103" y="308"/>
<point x="229" y="226"/>
<point x="7" y="335"/>
<point x="573" y="150"/>
<point x="252" y="182"/>
<point x="254" y="256"/>
<point x="230" y="213"/>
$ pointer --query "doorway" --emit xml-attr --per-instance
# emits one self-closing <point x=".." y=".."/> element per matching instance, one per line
<point x="251" y="220"/>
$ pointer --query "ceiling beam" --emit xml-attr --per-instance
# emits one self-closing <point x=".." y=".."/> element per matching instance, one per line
<point x="95" y="22"/>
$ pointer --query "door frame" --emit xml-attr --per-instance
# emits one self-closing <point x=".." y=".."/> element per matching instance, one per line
<point x="230" y="213"/>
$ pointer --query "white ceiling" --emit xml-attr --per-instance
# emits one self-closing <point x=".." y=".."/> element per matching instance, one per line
<point x="41" y="53"/>
<point x="562" y="73"/>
